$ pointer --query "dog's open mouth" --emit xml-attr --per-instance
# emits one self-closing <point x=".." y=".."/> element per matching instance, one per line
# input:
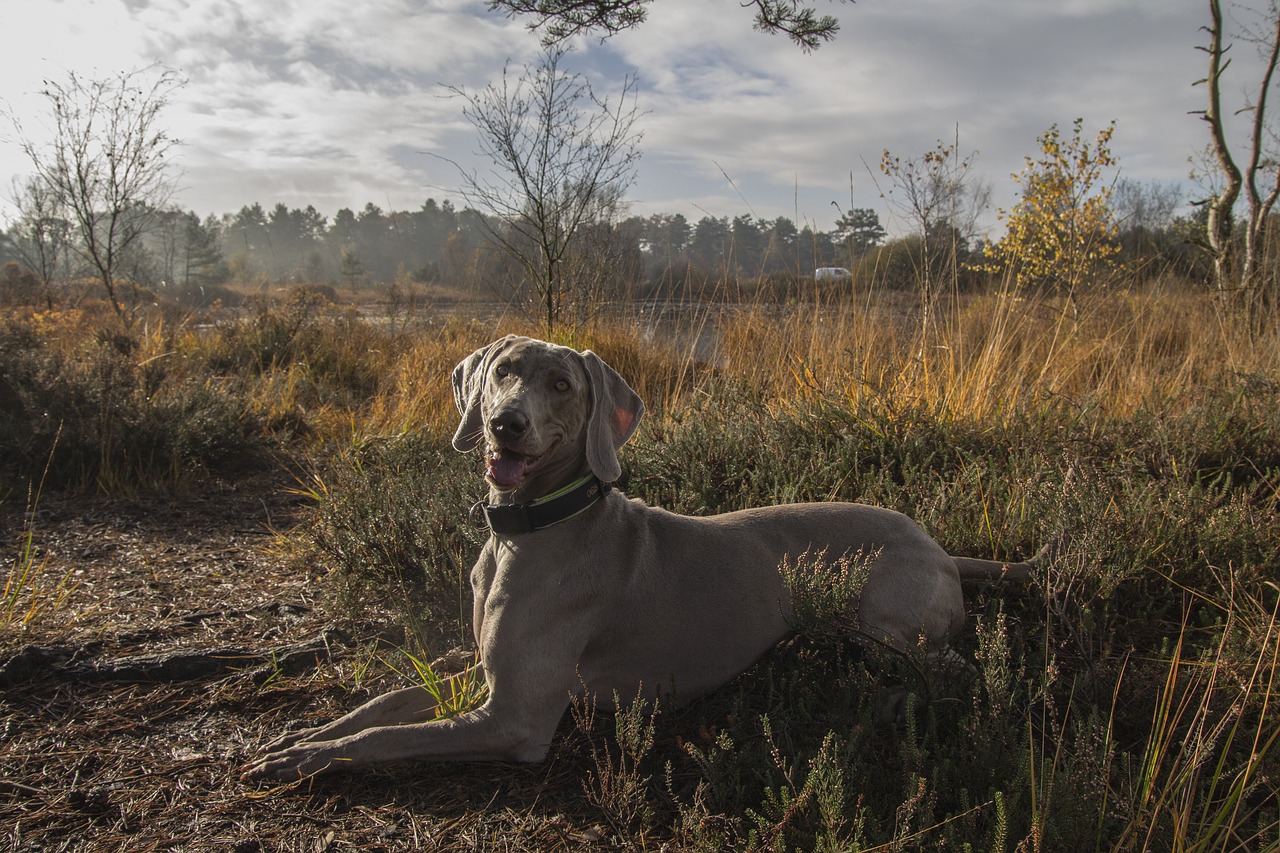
<point x="506" y="468"/>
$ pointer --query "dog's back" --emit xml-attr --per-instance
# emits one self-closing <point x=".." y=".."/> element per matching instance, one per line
<point x="689" y="602"/>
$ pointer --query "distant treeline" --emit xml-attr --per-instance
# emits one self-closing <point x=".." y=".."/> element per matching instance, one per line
<point x="663" y="255"/>
<point x="440" y="244"/>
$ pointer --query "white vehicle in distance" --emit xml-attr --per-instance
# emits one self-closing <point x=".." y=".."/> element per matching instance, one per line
<point x="831" y="274"/>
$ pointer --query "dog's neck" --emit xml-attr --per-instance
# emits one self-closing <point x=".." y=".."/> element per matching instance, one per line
<point x="568" y="502"/>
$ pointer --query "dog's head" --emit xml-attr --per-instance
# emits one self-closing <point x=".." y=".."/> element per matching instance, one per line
<point x="544" y="413"/>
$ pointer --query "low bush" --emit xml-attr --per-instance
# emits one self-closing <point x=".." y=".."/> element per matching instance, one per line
<point x="393" y="527"/>
<point x="111" y="411"/>
<point x="1155" y="615"/>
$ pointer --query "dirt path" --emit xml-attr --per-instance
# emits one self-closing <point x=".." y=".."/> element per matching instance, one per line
<point x="186" y="641"/>
<point x="164" y="571"/>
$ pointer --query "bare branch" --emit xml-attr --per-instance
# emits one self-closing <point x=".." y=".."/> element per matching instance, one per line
<point x="1249" y="280"/>
<point x="1218" y="229"/>
<point x="1260" y="207"/>
<point x="105" y="164"/>
<point x="561" y="157"/>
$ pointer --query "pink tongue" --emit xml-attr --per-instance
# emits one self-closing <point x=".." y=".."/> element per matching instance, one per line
<point x="507" y="468"/>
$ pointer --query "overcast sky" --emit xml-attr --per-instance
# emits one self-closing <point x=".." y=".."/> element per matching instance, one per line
<point x="337" y="103"/>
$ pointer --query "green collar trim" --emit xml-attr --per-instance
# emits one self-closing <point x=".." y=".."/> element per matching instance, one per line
<point x="561" y="505"/>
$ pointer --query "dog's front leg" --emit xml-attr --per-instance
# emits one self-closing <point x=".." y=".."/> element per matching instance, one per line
<point x="486" y="734"/>
<point x="407" y="705"/>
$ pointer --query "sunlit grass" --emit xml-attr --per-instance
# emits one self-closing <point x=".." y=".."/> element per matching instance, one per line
<point x="29" y="593"/>
<point x="993" y="356"/>
<point x="1126" y="701"/>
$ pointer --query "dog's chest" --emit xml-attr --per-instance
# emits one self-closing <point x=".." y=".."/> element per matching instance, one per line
<point x="538" y="574"/>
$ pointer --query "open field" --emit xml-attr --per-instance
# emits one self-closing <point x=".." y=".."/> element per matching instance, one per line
<point x="217" y="527"/>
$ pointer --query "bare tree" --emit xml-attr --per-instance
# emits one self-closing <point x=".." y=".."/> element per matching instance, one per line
<point x="105" y="164"/>
<point x="41" y="233"/>
<point x="562" y="19"/>
<point x="1247" y="277"/>
<point x="1146" y="216"/>
<point x="938" y="193"/>
<point x="604" y="261"/>
<point x="560" y="157"/>
<point x="1145" y="205"/>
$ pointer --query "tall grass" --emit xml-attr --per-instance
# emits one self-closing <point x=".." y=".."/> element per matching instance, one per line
<point x="29" y="593"/>
<point x="1201" y="778"/>
<point x="1124" y="701"/>
<point x="1001" y="355"/>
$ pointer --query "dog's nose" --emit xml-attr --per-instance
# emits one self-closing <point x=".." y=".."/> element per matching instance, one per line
<point x="510" y="422"/>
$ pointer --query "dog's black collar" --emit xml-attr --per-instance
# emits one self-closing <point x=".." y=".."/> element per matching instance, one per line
<point x="544" y="512"/>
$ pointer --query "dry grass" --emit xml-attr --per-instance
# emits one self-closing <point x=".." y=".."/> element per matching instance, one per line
<point x="992" y="356"/>
<point x="987" y="357"/>
<point x="1126" y="703"/>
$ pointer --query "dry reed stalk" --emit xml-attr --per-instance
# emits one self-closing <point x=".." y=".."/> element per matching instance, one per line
<point x="1000" y="355"/>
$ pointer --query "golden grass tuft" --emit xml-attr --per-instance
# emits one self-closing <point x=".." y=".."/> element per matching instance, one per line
<point x="986" y="358"/>
<point x="994" y="356"/>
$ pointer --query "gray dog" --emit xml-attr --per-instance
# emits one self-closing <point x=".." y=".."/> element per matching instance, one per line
<point x="581" y="589"/>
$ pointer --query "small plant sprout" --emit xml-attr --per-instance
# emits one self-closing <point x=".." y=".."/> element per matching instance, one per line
<point x="454" y="694"/>
<point x="27" y="592"/>
<point x="825" y="592"/>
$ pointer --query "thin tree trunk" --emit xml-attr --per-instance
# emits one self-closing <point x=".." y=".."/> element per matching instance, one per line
<point x="1254" y="281"/>
<point x="1218" y="229"/>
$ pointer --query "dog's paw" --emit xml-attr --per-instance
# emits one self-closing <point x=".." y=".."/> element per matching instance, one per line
<point x="289" y="739"/>
<point x="291" y="764"/>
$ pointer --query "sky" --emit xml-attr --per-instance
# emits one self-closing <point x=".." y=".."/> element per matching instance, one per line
<point x="339" y="103"/>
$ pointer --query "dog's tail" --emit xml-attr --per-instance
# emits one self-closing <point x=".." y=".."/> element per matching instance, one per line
<point x="972" y="569"/>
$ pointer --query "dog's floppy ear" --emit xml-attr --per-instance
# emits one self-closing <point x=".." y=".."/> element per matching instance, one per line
<point x="615" y="413"/>
<point x="468" y="381"/>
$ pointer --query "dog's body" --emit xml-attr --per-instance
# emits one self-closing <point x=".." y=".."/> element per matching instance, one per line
<point x="619" y="597"/>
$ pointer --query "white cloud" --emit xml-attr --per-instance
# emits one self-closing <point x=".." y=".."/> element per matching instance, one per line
<point x="902" y="76"/>
<point x="334" y="103"/>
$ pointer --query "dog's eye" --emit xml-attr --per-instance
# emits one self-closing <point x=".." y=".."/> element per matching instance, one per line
<point x="501" y="371"/>
<point x="562" y="385"/>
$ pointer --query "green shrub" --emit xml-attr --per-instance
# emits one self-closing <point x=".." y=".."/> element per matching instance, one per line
<point x="392" y="526"/>
<point x="102" y="414"/>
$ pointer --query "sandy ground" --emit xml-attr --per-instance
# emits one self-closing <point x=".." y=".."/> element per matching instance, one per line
<point x="186" y="640"/>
